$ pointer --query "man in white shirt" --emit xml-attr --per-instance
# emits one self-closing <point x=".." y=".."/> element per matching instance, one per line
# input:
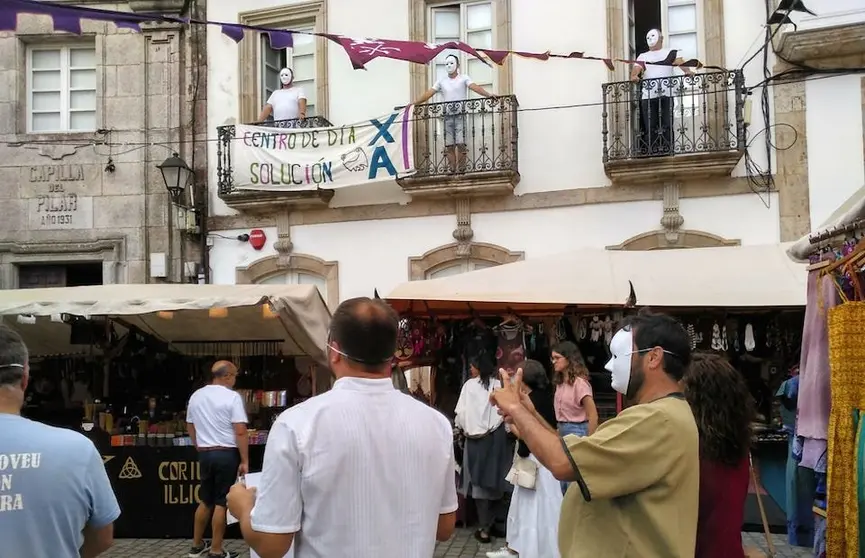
<point x="216" y="421"/>
<point x="363" y="470"/>
<point x="657" y="86"/>
<point x="454" y="89"/>
<point x="287" y="105"/>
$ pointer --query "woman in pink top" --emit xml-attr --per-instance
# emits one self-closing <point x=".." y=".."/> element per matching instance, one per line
<point x="575" y="406"/>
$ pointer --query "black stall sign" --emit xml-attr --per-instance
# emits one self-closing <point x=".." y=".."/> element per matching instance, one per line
<point x="180" y="482"/>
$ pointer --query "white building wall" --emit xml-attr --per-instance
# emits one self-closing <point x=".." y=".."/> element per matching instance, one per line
<point x="836" y="168"/>
<point x="559" y="148"/>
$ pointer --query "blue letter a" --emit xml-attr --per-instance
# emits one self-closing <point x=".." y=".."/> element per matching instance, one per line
<point x="380" y="159"/>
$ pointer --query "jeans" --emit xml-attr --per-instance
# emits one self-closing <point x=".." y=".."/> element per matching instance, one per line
<point x="577" y="429"/>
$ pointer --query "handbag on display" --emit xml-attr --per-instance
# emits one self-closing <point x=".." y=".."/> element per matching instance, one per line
<point x="523" y="473"/>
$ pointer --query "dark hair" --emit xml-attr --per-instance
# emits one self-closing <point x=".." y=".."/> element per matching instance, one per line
<point x="534" y="375"/>
<point x="366" y="331"/>
<point x="660" y="330"/>
<point x="576" y="364"/>
<point x="722" y="406"/>
<point x="13" y="357"/>
<point x="487" y="367"/>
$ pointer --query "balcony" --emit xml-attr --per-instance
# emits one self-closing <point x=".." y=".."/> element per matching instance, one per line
<point x="677" y="128"/>
<point x="252" y="201"/>
<point x="465" y="148"/>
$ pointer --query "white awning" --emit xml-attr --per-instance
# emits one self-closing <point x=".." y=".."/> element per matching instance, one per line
<point x="730" y="277"/>
<point x="175" y="314"/>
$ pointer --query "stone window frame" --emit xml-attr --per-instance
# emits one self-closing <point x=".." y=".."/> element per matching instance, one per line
<point x="712" y="35"/>
<point x="419" y="28"/>
<point x="657" y="240"/>
<point x="111" y="252"/>
<point x="27" y="40"/>
<point x="311" y="13"/>
<point x="444" y="256"/>
<point x="298" y="263"/>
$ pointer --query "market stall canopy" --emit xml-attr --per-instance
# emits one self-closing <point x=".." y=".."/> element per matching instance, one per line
<point x="176" y="314"/>
<point x="849" y="212"/>
<point x="730" y="277"/>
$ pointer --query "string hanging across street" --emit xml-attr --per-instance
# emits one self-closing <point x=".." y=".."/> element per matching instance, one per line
<point x="359" y="50"/>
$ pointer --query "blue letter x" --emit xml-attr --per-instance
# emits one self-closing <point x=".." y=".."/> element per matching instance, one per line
<point x="383" y="129"/>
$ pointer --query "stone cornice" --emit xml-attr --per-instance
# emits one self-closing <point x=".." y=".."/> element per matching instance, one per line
<point x="817" y="44"/>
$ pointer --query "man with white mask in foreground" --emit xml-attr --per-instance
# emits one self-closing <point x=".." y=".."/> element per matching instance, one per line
<point x="636" y="479"/>
<point x="454" y="89"/>
<point x="287" y="104"/>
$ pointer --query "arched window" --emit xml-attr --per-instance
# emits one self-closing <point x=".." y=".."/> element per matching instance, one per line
<point x="448" y="260"/>
<point x="301" y="270"/>
<point x="457" y="268"/>
<point x="297" y="278"/>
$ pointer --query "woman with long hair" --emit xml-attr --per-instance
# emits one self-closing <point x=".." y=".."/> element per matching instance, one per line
<point x="574" y="400"/>
<point x="724" y="409"/>
<point x="486" y="458"/>
<point x="533" y="515"/>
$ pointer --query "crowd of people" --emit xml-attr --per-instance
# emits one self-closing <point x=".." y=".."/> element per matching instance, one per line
<point x="364" y="470"/>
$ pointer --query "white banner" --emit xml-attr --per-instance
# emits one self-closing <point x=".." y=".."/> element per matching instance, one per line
<point x="291" y="159"/>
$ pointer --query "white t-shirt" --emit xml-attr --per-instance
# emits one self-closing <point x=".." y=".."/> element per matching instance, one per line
<point x="286" y="103"/>
<point x="453" y="88"/>
<point x="652" y="90"/>
<point x="363" y="470"/>
<point x="214" y="410"/>
<point x="475" y="415"/>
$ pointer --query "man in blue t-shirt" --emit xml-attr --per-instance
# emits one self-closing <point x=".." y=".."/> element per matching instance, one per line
<point x="55" y="497"/>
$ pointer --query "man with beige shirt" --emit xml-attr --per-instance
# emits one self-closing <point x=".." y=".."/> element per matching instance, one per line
<point x="636" y="479"/>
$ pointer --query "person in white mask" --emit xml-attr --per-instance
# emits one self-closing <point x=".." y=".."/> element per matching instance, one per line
<point x="454" y="89"/>
<point x="657" y="91"/>
<point x="636" y="479"/>
<point x="287" y="104"/>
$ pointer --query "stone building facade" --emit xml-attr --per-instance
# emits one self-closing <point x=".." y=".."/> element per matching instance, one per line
<point x="84" y="122"/>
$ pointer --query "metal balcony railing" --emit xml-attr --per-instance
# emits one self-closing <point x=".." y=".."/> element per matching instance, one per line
<point x="678" y="115"/>
<point x="225" y="137"/>
<point x="466" y="137"/>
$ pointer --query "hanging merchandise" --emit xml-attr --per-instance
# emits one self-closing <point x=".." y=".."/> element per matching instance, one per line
<point x="596" y="329"/>
<point x="583" y="330"/>
<point x="692" y="336"/>
<point x="847" y="364"/>
<point x="608" y="330"/>
<point x="750" y="343"/>
<point x="716" y="338"/>
<point x="511" y="349"/>
<point x="404" y="348"/>
<point x="724" y="338"/>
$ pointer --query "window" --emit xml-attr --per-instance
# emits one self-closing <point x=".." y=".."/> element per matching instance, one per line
<point x="679" y="21"/>
<point x="298" y="278"/>
<point x="458" y="268"/>
<point x="61" y="89"/>
<point x="301" y="60"/>
<point x="472" y="23"/>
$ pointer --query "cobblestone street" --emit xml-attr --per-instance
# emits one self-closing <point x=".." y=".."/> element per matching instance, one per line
<point x="462" y="545"/>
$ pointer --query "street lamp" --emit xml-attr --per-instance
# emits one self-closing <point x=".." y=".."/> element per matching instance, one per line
<point x="176" y="174"/>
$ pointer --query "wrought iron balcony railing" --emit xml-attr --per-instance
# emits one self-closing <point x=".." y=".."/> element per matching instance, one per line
<point x="225" y="137"/>
<point x="701" y="113"/>
<point x="466" y="137"/>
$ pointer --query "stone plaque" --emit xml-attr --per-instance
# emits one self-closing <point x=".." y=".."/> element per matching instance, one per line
<point x="60" y="211"/>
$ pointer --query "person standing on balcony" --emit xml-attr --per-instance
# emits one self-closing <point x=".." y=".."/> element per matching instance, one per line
<point x="656" y="79"/>
<point x="287" y="104"/>
<point x="454" y="89"/>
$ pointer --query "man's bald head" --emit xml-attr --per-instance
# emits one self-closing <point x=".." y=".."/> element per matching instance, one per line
<point x="223" y="372"/>
<point x="364" y="331"/>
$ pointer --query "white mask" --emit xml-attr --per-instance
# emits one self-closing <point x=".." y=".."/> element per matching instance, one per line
<point x="652" y="38"/>
<point x="286" y="76"/>
<point x="619" y="365"/>
<point x="451" y="65"/>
